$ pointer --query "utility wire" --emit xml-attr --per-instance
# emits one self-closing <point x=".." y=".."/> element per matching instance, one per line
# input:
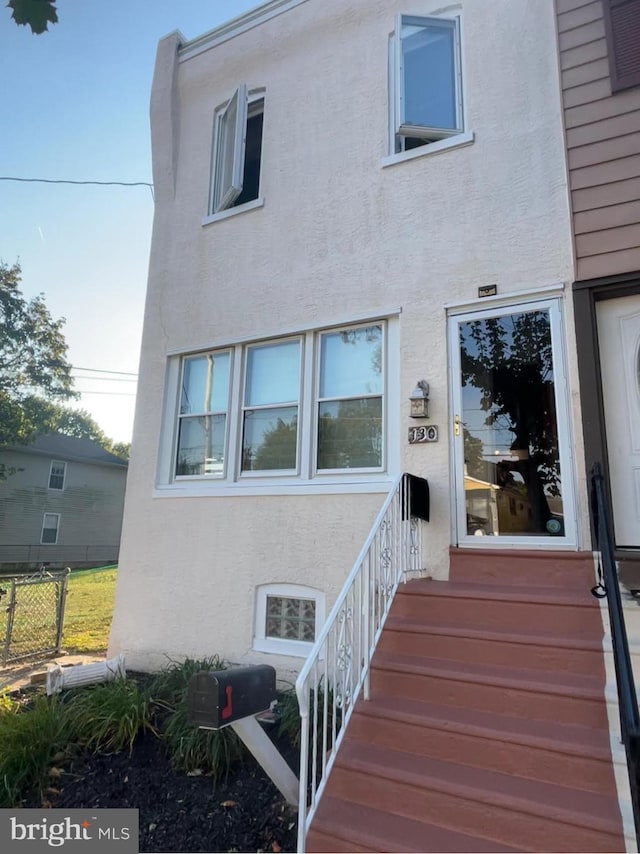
<point x="105" y="379"/>
<point x="102" y="371"/>
<point x="119" y="393"/>
<point x="93" y="183"/>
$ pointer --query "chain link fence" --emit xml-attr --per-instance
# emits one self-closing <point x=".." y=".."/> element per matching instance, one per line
<point x="32" y="614"/>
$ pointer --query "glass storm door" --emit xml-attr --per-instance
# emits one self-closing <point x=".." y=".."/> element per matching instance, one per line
<point x="509" y="427"/>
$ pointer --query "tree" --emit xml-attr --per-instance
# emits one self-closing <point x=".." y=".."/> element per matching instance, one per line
<point x="32" y="359"/>
<point x="50" y="417"/>
<point x="508" y="360"/>
<point x="38" y="14"/>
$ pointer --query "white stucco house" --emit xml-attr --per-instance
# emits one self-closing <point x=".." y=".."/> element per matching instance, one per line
<point x="379" y="225"/>
<point x="352" y="198"/>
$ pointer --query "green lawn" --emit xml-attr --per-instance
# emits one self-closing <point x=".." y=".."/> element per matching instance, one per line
<point x="88" y="611"/>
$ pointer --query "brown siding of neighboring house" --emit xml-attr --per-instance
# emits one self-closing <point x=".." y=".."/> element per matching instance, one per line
<point x="603" y="145"/>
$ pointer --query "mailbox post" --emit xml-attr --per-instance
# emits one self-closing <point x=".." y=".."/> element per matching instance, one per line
<point x="221" y="698"/>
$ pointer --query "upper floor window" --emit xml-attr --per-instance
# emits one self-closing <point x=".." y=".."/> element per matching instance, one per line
<point x="237" y="151"/>
<point x="426" y="94"/>
<point x="56" y="474"/>
<point x="622" y="27"/>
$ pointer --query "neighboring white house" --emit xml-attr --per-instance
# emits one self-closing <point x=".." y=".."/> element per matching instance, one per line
<point x="351" y="197"/>
<point x="61" y="503"/>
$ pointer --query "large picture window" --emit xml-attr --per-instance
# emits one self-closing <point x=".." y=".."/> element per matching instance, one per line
<point x="311" y="405"/>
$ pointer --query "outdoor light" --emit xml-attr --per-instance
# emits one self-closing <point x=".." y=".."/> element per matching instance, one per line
<point x="419" y="400"/>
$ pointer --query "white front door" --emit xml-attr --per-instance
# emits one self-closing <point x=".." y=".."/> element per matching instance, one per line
<point x="619" y="341"/>
<point x="510" y="428"/>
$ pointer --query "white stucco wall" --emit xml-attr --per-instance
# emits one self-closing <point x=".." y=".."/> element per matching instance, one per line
<point x="338" y="237"/>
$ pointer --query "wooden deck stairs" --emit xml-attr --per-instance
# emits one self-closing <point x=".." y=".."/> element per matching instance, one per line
<point x="487" y="726"/>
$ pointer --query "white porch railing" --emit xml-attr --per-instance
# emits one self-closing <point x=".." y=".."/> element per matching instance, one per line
<point x="337" y="668"/>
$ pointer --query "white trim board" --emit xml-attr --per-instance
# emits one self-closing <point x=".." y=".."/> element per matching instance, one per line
<point x="229" y="30"/>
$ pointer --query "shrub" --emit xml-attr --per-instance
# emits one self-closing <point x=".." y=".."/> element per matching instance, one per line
<point x="107" y="718"/>
<point x="191" y="749"/>
<point x="29" y="742"/>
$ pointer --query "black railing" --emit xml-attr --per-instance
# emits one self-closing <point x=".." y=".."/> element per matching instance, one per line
<point x="627" y="698"/>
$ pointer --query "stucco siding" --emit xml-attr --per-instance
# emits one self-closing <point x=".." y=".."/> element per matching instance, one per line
<point x="603" y="140"/>
<point x="340" y="236"/>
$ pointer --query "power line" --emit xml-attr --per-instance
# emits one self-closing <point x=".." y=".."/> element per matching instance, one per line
<point x="66" y="181"/>
<point x="118" y="393"/>
<point x="106" y="379"/>
<point x="102" y="371"/>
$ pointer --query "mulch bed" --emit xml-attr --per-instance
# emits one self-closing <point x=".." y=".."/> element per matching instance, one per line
<point x="180" y="813"/>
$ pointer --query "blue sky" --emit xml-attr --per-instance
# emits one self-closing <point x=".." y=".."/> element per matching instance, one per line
<point x="75" y="106"/>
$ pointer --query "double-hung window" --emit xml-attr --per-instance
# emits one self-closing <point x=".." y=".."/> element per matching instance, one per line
<point x="426" y="81"/>
<point x="56" y="474"/>
<point x="350" y="399"/>
<point x="50" y="527"/>
<point x="312" y="405"/>
<point x="237" y="151"/>
<point x="202" y="418"/>
<point x="270" y="413"/>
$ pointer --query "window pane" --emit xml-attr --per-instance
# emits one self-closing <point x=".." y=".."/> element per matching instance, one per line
<point x="205" y="383"/>
<point x="50" y="528"/>
<point x="350" y="434"/>
<point x="270" y="439"/>
<point x="56" y="477"/>
<point x="351" y="362"/>
<point x="201" y="445"/>
<point x="428" y="62"/>
<point x="291" y="619"/>
<point x="226" y="150"/>
<point x="273" y="374"/>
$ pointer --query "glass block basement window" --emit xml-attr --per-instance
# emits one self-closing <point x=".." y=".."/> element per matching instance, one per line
<point x="291" y="619"/>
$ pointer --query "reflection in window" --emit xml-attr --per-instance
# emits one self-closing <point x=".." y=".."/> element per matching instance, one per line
<point x="270" y="424"/>
<point x="350" y="399"/>
<point x="202" y="419"/>
<point x="512" y="461"/>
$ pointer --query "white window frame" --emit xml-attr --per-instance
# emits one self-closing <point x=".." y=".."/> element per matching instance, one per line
<point x="283" y="646"/>
<point x="52" y="474"/>
<point x="318" y="399"/>
<point x="56" y="516"/>
<point x="436" y="139"/>
<point x="229" y="146"/>
<point x="306" y="479"/>
<point x="184" y="416"/>
<point x="244" y="407"/>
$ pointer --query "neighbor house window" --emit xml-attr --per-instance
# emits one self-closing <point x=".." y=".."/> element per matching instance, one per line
<point x="426" y="85"/>
<point x="622" y="27"/>
<point x="311" y="405"/>
<point x="288" y="618"/>
<point x="270" y="415"/>
<point x="202" y="419"/>
<point x="350" y="399"/>
<point x="56" y="474"/>
<point x="50" y="526"/>
<point x="237" y="151"/>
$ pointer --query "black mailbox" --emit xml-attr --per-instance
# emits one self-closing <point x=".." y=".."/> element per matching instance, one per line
<point x="216" y="698"/>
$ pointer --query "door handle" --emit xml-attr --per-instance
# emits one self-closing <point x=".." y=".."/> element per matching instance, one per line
<point x="456" y="425"/>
